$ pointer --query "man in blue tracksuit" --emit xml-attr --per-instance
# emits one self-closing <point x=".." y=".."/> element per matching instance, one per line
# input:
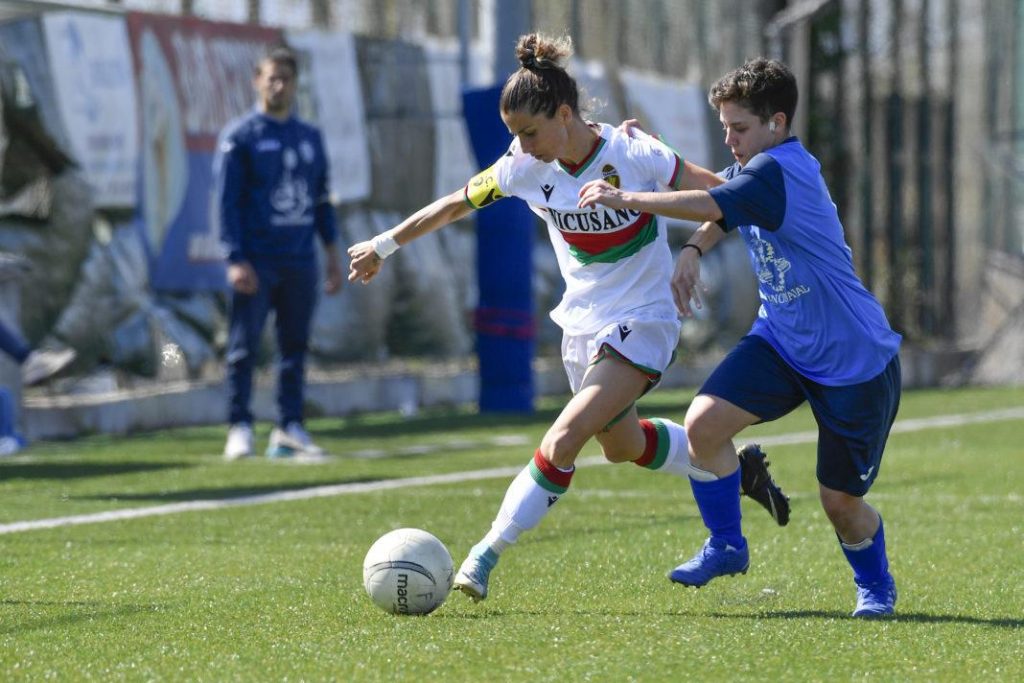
<point x="820" y="336"/>
<point x="272" y="197"/>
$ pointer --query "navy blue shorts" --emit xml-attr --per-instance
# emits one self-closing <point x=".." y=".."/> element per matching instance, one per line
<point x="853" y="421"/>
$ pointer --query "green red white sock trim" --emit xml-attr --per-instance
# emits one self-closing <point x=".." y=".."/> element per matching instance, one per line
<point x="548" y="476"/>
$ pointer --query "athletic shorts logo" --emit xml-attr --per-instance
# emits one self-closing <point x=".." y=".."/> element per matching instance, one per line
<point x="624" y="332"/>
<point x="610" y="175"/>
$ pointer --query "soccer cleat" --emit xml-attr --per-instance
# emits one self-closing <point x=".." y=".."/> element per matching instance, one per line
<point x="876" y="599"/>
<point x="239" y="443"/>
<point x="715" y="558"/>
<point x="474" y="572"/>
<point x="42" y="364"/>
<point x="757" y="483"/>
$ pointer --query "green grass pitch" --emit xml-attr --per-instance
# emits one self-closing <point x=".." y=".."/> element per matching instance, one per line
<point x="274" y="591"/>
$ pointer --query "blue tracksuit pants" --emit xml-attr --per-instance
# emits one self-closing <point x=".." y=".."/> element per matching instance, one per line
<point x="291" y="292"/>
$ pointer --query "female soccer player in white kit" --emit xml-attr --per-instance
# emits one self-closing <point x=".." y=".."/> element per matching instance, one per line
<point x="619" y="321"/>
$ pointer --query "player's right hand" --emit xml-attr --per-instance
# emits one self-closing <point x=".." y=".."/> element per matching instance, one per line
<point x="630" y="125"/>
<point x="365" y="263"/>
<point x="242" y="278"/>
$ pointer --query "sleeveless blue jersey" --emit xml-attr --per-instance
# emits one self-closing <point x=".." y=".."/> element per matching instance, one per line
<point x="814" y="309"/>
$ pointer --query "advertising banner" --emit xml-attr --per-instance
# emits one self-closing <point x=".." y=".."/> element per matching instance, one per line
<point x="22" y="41"/>
<point x="677" y="111"/>
<point x="193" y="77"/>
<point x="91" y="68"/>
<point x="453" y="157"/>
<point x="330" y="96"/>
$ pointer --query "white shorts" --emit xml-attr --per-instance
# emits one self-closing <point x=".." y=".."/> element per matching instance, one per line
<point x="648" y="345"/>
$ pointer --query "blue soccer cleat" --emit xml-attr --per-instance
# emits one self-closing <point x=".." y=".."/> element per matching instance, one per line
<point x="475" y="570"/>
<point x="876" y="599"/>
<point x="716" y="558"/>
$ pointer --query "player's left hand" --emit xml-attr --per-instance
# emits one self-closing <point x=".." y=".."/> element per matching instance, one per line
<point x="365" y="263"/>
<point x="686" y="283"/>
<point x="601" y="192"/>
<point x="334" y="277"/>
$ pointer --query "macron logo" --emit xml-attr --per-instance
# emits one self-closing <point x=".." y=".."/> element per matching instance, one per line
<point x="552" y="500"/>
<point x="624" y="332"/>
<point x="864" y="477"/>
<point x="547" y="190"/>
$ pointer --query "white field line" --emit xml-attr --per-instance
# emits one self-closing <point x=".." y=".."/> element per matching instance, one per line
<point x="454" y="477"/>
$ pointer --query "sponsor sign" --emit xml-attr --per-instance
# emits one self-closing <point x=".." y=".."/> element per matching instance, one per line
<point x="91" y="71"/>
<point x="677" y="111"/>
<point x="193" y="77"/>
<point x="330" y="96"/>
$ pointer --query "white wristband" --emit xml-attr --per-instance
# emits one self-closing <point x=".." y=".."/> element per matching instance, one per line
<point x="384" y="245"/>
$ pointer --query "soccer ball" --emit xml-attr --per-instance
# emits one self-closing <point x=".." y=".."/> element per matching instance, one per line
<point x="408" y="571"/>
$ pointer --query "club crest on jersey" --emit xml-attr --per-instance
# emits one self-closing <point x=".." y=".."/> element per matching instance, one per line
<point x="610" y="174"/>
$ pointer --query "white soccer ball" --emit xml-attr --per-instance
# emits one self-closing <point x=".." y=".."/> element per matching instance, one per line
<point x="408" y="571"/>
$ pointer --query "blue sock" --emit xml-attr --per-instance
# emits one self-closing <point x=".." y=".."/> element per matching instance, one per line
<point x="868" y="559"/>
<point x="719" y="505"/>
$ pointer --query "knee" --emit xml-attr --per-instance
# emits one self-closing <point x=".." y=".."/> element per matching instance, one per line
<point x="702" y="435"/>
<point x="559" y="448"/>
<point x="840" y="508"/>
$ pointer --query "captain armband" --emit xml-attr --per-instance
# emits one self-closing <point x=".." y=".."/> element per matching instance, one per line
<point x="384" y="245"/>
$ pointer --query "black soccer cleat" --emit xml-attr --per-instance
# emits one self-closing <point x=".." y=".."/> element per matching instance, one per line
<point x="757" y="482"/>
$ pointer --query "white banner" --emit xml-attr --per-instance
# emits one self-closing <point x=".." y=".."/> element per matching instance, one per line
<point x="454" y="163"/>
<point x="675" y="110"/>
<point x="90" y="62"/>
<point x="332" y="99"/>
<point x="597" y="100"/>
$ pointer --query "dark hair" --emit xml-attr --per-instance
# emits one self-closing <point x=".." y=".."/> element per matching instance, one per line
<point x="764" y="86"/>
<point x="281" y="55"/>
<point x="541" y="84"/>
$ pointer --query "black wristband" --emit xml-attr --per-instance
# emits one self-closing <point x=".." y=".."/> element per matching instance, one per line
<point x="700" y="252"/>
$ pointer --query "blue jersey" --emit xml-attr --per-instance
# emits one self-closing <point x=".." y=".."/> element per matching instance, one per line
<point x="814" y="310"/>
<point x="272" y="178"/>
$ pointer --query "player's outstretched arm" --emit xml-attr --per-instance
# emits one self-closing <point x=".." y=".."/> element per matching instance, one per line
<point x="699" y="178"/>
<point x="367" y="257"/>
<point x="691" y="205"/>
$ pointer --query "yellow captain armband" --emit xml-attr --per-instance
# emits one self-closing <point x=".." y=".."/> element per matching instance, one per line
<point x="482" y="189"/>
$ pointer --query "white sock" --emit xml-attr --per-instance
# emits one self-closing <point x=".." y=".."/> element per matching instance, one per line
<point x="526" y="502"/>
<point x="677" y="457"/>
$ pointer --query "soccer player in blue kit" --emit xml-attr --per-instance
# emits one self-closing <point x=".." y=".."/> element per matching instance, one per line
<point x="819" y="337"/>
<point x="273" y="199"/>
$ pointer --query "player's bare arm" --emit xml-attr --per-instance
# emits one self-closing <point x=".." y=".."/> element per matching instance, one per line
<point x="367" y="257"/>
<point x="698" y="178"/>
<point x="690" y="205"/>
<point x="686" y="283"/>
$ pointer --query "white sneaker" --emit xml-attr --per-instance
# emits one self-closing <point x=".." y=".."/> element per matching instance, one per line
<point x="42" y="364"/>
<point x="239" y="443"/>
<point x="296" y="431"/>
<point x="293" y="440"/>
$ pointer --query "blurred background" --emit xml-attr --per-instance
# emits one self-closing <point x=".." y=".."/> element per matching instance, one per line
<point x="110" y="112"/>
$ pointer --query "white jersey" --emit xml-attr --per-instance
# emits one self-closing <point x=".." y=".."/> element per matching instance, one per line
<point x="616" y="263"/>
